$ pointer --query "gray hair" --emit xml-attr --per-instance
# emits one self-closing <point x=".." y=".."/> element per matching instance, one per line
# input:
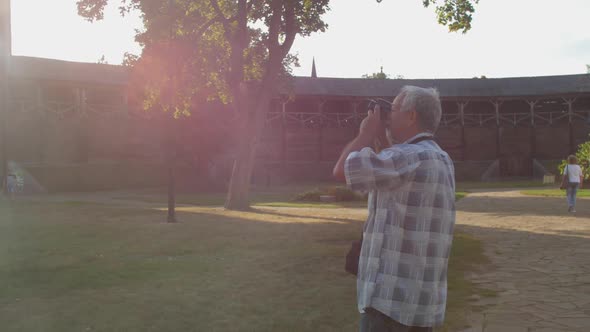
<point x="426" y="103"/>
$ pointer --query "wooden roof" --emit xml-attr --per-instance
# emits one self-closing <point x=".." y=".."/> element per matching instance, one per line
<point x="488" y="87"/>
<point x="58" y="70"/>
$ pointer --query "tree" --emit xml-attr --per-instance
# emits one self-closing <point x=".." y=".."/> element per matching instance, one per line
<point x="382" y="76"/>
<point x="379" y="76"/>
<point x="456" y="14"/>
<point x="154" y="81"/>
<point x="583" y="156"/>
<point x="239" y="53"/>
<point x="102" y="61"/>
<point x="159" y="85"/>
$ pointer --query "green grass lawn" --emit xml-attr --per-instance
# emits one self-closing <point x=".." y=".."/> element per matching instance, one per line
<point x="90" y="267"/>
<point x="284" y="198"/>
<point x="466" y="186"/>
<point x="554" y="192"/>
<point x="460" y="194"/>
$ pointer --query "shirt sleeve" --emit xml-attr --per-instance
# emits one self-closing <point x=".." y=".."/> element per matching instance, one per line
<point x="366" y="170"/>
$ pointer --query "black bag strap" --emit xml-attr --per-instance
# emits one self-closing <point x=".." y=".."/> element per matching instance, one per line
<point x="421" y="138"/>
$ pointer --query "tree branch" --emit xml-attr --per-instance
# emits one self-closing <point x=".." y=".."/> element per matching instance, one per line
<point x="238" y="39"/>
<point x="208" y="24"/>
<point x="242" y="15"/>
<point x="290" y="30"/>
<point x="218" y="11"/>
<point x="92" y="10"/>
<point x="274" y="25"/>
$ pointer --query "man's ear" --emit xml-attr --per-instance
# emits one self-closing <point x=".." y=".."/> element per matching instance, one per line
<point x="413" y="117"/>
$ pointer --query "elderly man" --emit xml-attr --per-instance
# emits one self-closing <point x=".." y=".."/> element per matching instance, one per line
<point x="402" y="272"/>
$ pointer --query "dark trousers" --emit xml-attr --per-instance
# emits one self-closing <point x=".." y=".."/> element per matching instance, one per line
<point x="374" y="321"/>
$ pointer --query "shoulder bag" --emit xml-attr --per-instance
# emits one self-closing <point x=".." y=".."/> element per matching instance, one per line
<point x="565" y="181"/>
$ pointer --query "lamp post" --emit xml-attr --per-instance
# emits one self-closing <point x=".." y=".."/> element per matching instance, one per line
<point x="5" y="54"/>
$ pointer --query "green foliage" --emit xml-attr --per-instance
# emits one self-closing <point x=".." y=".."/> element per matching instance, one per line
<point x="198" y="51"/>
<point x="455" y="14"/>
<point x="583" y="155"/>
<point x="195" y="51"/>
<point x="379" y="76"/>
<point x="382" y="76"/>
<point x="102" y="61"/>
<point x="459" y="195"/>
<point x="236" y="52"/>
<point x="341" y="194"/>
<point x="309" y="196"/>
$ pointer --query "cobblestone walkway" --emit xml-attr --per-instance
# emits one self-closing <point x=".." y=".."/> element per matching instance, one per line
<point x="540" y="257"/>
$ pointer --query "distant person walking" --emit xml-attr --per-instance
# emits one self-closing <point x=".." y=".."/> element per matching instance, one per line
<point x="11" y="183"/>
<point x="575" y="177"/>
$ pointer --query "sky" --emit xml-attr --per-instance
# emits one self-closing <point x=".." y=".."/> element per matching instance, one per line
<point x="509" y="38"/>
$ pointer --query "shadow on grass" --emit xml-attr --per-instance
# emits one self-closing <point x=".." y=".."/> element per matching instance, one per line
<point x="74" y="266"/>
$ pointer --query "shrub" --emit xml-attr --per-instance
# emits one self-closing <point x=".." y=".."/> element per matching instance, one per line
<point x="309" y="196"/>
<point x="342" y="194"/>
<point x="583" y="156"/>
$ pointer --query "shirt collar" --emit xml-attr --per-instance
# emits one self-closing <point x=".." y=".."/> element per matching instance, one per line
<point x="420" y="135"/>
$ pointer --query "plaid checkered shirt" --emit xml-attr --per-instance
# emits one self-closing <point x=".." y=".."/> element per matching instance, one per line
<point x="409" y="231"/>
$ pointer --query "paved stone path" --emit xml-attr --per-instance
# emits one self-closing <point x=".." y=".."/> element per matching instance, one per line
<point x="540" y="257"/>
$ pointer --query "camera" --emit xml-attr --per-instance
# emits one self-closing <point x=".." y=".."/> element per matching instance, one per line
<point x="385" y="107"/>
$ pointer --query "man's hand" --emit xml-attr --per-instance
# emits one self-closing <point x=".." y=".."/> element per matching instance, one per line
<point x="370" y="128"/>
<point x="374" y="130"/>
<point x="371" y="125"/>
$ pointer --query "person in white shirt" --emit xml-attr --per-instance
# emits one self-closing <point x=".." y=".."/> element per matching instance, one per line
<point x="11" y="184"/>
<point x="576" y="177"/>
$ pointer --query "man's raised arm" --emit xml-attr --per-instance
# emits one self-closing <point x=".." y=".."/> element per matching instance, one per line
<point x="369" y="129"/>
<point x="356" y="144"/>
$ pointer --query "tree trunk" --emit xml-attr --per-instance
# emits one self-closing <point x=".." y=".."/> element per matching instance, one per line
<point x="171" y="193"/>
<point x="253" y="104"/>
<point x="239" y="186"/>
<point x="170" y="145"/>
<point x="82" y="139"/>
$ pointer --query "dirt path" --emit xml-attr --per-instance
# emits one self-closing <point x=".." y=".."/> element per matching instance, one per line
<point x="540" y="257"/>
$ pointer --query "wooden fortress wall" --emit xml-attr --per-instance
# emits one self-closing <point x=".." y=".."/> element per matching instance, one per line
<point x="313" y="131"/>
<point x="302" y="137"/>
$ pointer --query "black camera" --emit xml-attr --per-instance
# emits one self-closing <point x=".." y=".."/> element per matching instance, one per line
<point x="384" y="105"/>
